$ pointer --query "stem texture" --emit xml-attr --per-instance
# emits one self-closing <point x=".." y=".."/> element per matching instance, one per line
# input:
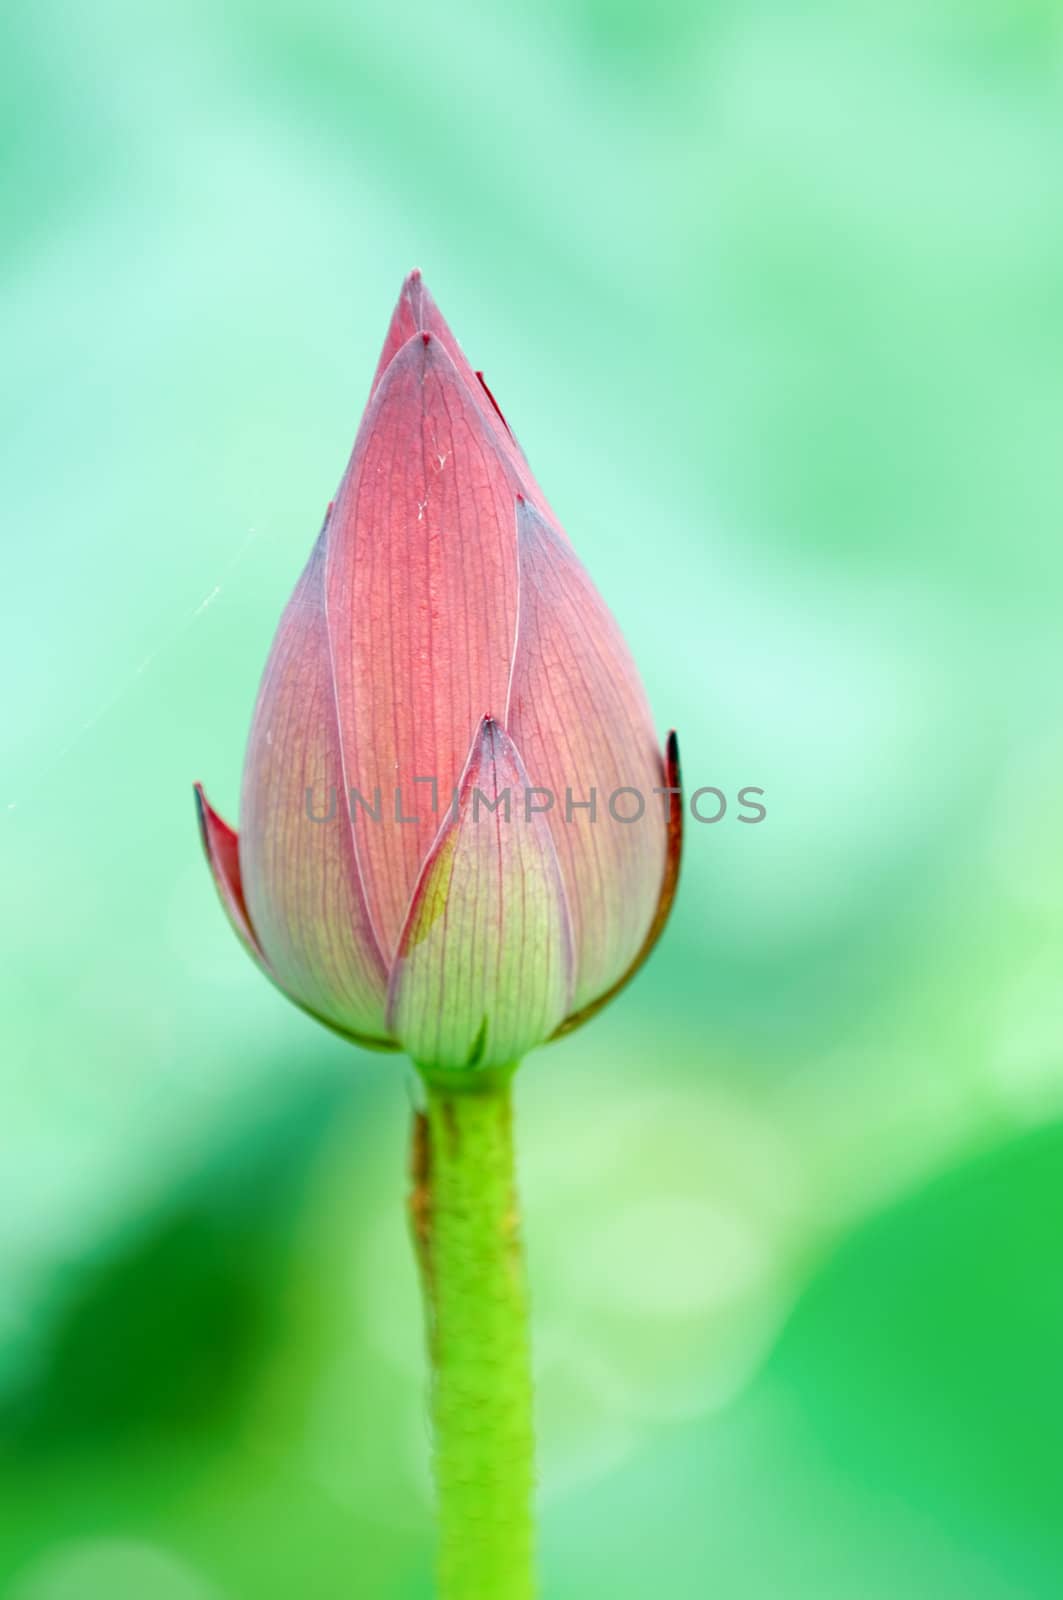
<point x="463" y="1209"/>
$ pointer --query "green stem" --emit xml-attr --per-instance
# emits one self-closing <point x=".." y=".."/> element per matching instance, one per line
<point x="463" y="1207"/>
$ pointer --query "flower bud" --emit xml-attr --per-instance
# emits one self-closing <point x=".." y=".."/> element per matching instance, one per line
<point x="458" y="834"/>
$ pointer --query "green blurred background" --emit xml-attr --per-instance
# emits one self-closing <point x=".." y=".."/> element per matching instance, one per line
<point x="773" y="295"/>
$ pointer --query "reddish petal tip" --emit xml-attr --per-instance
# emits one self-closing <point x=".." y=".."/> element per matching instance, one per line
<point x="201" y="815"/>
<point x="427" y="338"/>
<point x="494" y="402"/>
<point x="221" y="847"/>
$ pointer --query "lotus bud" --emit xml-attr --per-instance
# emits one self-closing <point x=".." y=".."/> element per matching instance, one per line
<point x="458" y="836"/>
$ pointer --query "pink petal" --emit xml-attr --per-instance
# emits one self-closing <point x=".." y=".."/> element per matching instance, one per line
<point x="421" y="587"/>
<point x="673" y="782"/>
<point x="300" y="876"/>
<point x="483" y="971"/>
<point x="579" y="714"/>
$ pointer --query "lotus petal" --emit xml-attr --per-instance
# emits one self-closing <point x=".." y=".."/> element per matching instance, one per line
<point x="484" y="964"/>
<point x="578" y="713"/>
<point x="422" y="594"/>
<point x="300" y="872"/>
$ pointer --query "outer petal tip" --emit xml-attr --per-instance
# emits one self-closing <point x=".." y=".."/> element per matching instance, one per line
<point x="221" y="847"/>
<point x="487" y="391"/>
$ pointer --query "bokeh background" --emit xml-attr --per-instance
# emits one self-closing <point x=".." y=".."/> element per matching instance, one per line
<point x="773" y="295"/>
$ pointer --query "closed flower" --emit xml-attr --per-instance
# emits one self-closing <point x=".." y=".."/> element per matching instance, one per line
<point x="458" y="833"/>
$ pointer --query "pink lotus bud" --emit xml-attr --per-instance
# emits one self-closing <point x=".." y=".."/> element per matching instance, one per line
<point x="459" y="836"/>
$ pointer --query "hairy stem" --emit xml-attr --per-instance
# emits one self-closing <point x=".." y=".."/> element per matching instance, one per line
<point x="463" y="1209"/>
